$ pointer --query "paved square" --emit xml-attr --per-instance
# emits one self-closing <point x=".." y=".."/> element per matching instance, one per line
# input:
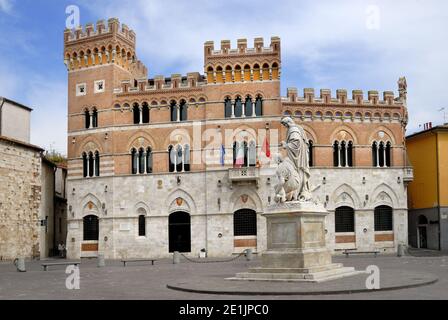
<point x="144" y="281"/>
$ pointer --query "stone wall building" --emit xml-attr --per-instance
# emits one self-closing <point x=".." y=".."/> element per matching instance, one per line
<point x="181" y="163"/>
<point x="27" y="189"/>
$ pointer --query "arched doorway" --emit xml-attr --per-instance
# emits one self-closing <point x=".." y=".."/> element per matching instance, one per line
<point x="179" y="232"/>
<point x="91" y="232"/>
<point x="245" y="229"/>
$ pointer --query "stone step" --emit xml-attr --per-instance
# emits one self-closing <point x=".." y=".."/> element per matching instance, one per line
<point x="297" y="270"/>
<point x="305" y="277"/>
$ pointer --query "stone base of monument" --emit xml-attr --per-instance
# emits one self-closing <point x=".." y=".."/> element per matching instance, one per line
<point x="296" y="247"/>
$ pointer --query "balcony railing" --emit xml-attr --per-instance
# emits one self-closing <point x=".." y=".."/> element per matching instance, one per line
<point x="244" y="174"/>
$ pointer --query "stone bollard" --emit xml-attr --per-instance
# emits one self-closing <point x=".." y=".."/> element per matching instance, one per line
<point x="176" y="257"/>
<point x="101" y="262"/>
<point x="20" y="264"/>
<point x="400" y="250"/>
<point x="248" y="254"/>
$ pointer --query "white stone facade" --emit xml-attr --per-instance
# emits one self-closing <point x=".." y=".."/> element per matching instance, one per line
<point x="118" y="201"/>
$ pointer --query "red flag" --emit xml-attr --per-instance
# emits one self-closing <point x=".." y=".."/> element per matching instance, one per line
<point x="266" y="147"/>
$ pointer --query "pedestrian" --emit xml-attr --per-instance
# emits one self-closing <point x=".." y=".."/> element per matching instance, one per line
<point x="61" y="249"/>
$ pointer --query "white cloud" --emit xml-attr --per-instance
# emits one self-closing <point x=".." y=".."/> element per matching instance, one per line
<point x="6" y="6"/>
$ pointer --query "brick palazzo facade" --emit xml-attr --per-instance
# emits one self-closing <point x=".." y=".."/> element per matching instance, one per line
<point x="127" y="197"/>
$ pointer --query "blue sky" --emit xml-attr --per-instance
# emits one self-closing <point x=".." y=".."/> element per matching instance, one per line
<point x="325" y="44"/>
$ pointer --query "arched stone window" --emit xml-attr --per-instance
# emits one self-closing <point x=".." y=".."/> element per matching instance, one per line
<point x="245" y="223"/>
<point x="238" y="107"/>
<point x="383" y="218"/>
<point x="381" y="156"/>
<point x="186" y="158"/>
<point x="183" y="111"/>
<point x="85" y="165"/>
<point x="310" y="153"/>
<point x="171" y="159"/>
<point x="228" y="108"/>
<point x="91" y="228"/>
<point x="145" y="113"/>
<point x="97" y="164"/>
<point x="343" y="154"/>
<point x="344" y="219"/>
<point x="136" y="113"/>
<point x="173" y="111"/>
<point x="141" y="161"/>
<point x="91" y="164"/>
<point x="94" y="118"/>
<point x="141" y="226"/>
<point x="252" y="155"/>
<point x="248" y="107"/>
<point x="259" y="106"/>
<point x="149" y="160"/>
<point x="179" y="158"/>
<point x="134" y="161"/>
<point x="87" y="118"/>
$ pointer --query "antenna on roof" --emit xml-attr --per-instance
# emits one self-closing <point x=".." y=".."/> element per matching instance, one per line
<point x="444" y="114"/>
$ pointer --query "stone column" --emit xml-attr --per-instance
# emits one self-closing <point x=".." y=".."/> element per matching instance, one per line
<point x="93" y="59"/>
<point x="253" y="109"/>
<point x="270" y="73"/>
<point x="378" y="155"/>
<point x="140" y="109"/>
<point x="178" y="113"/>
<point x="384" y="157"/>
<point x="233" y="110"/>
<point x="339" y="155"/>
<point x="346" y="155"/>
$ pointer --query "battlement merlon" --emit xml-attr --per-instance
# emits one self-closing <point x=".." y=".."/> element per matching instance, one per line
<point x="242" y="49"/>
<point x="112" y="29"/>
<point x="373" y="97"/>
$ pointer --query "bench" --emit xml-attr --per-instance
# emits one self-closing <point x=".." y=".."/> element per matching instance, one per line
<point x="45" y="265"/>
<point x="347" y="252"/>
<point x="125" y="261"/>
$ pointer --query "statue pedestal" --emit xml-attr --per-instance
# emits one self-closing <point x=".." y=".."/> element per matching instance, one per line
<point x="296" y="248"/>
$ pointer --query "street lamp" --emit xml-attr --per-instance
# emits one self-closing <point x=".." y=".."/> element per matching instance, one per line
<point x="444" y="114"/>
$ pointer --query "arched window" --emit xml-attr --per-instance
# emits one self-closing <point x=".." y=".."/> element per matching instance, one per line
<point x="238" y="107"/>
<point x="145" y="113"/>
<point x="383" y="218"/>
<point x="248" y="107"/>
<point x="97" y="164"/>
<point x="183" y="110"/>
<point x="343" y="154"/>
<point x="91" y="164"/>
<point x="336" y="162"/>
<point x="85" y="165"/>
<point x="173" y="109"/>
<point x="141" y="226"/>
<point x="136" y="113"/>
<point x="171" y="158"/>
<point x="259" y="106"/>
<point x="381" y="154"/>
<point x="141" y="161"/>
<point x="310" y="153"/>
<point x="134" y="161"/>
<point x="245" y="223"/>
<point x="187" y="158"/>
<point x="91" y="228"/>
<point x="266" y="73"/>
<point x="179" y="156"/>
<point x="95" y="118"/>
<point x="252" y="154"/>
<point x="87" y="118"/>
<point x="375" y="154"/>
<point x="149" y="160"/>
<point x="344" y="218"/>
<point x="228" y="107"/>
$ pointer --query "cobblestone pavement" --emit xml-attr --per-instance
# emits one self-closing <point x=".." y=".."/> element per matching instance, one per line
<point x="144" y="281"/>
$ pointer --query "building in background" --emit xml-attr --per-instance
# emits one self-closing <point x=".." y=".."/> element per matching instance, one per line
<point x="136" y="187"/>
<point x="428" y="193"/>
<point x="27" y="189"/>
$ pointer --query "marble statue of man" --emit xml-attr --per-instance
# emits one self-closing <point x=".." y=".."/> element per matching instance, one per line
<point x="297" y="148"/>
